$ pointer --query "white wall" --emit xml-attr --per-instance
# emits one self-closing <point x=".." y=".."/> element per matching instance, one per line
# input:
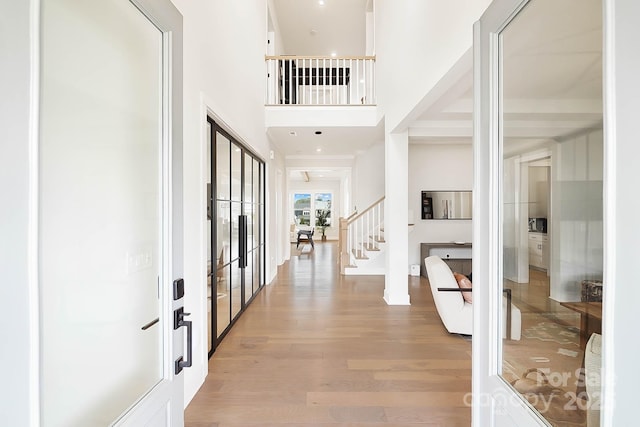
<point x="576" y="215"/>
<point x="437" y="167"/>
<point x="277" y="226"/>
<point x="224" y="72"/>
<point x="368" y="177"/>
<point x="538" y="191"/>
<point x="275" y="28"/>
<point x="417" y="42"/>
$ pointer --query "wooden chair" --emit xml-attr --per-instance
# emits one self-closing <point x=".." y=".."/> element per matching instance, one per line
<point x="305" y="235"/>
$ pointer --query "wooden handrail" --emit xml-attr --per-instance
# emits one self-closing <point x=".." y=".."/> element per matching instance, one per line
<point x="365" y="211"/>
<point x="352" y="215"/>
<point x="294" y="57"/>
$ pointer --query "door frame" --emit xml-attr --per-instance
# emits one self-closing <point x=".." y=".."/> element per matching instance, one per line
<point x="218" y="125"/>
<point x="494" y="403"/>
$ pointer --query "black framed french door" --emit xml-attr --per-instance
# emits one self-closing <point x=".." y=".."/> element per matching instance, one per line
<point x="236" y="219"/>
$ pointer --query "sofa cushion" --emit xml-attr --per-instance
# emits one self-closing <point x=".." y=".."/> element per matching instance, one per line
<point x="464" y="283"/>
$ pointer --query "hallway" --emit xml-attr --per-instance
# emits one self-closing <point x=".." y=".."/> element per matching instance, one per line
<point x="319" y="349"/>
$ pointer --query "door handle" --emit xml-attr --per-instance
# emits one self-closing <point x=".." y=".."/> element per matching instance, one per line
<point x="178" y="321"/>
<point x="150" y="324"/>
<point x="242" y="243"/>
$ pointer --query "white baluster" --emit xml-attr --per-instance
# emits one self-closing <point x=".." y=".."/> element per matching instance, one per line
<point x="324" y="82"/>
<point x="279" y="82"/>
<point x="373" y="81"/>
<point x="331" y="85"/>
<point x="297" y="85"/>
<point x="317" y="85"/>
<point x="289" y="63"/>
<point x="358" y="93"/>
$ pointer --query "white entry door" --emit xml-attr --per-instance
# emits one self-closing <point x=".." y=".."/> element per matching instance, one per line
<point x="538" y="93"/>
<point x="109" y="214"/>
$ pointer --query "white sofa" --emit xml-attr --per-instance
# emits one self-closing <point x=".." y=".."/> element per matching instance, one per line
<point x="457" y="314"/>
<point x="593" y="379"/>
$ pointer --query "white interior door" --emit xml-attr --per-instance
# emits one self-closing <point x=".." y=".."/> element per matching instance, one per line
<point x="110" y="223"/>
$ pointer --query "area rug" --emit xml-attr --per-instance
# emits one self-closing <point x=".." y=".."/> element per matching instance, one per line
<point x="552" y="332"/>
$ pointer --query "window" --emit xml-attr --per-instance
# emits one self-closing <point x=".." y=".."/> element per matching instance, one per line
<point x="312" y="209"/>
<point x="302" y="208"/>
<point x="322" y="206"/>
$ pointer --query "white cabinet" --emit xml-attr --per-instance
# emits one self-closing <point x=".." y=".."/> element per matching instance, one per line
<point x="539" y="250"/>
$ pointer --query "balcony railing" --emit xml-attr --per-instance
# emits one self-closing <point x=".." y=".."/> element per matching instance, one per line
<point x="318" y="80"/>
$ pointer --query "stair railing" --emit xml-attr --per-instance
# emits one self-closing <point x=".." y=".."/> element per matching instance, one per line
<point x="359" y="233"/>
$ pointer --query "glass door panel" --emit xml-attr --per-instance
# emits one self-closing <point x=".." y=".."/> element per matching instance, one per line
<point x="236" y="290"/>
<point x="249" y="197"/>
<point x="236" y="275"/>
<point x="552" y="176"/>
<point x="256" y="182"/>
<point x="257" y="232"/>
<point x="223" y="234"/>
<point x="251" y="235"/>
<point x="256" y="269"/>
<point x="236" y="173"/>
<point x="100" y="192"/>
<point x="236" y="211"/>
<point x="223" y="167"/>
<point x="222" y="269"/>
<point x="211" y="264"/>
<point x="223" y="300"/>
<point x="248" y="278"/>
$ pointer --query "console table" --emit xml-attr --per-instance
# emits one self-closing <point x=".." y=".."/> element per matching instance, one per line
<point x="449" y="252"/>
<point x="590" y="318"/>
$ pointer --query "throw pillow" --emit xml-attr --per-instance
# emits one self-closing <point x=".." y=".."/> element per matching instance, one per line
<point x="464" y="283"/>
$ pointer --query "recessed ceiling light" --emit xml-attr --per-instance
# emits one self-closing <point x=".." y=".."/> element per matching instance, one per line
<point x="321" y="176"/>
<point x="321" y="2"/>
<point x="318" y="149"/>
<point x="333" y="54"/>
<point x="293" y="133"/>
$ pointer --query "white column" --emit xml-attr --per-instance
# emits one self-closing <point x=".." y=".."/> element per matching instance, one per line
<point x="396" y="229"/>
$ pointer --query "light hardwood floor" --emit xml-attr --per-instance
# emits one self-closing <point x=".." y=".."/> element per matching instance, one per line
<point x="319" y="349"/>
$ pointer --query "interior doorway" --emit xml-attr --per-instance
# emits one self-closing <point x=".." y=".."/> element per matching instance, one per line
<point x="235" y="228"/>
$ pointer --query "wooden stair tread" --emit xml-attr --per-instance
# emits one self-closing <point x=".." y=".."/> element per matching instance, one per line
<point x="359" y="254"/>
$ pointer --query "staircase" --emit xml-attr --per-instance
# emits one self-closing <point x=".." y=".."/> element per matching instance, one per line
<point x="362" y="243"/>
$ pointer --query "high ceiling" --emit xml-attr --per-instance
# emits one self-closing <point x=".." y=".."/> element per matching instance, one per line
<point x="552" y="79"/>
<point x="336" y="141"/>
<point x="552" y="76"/>
<point x="310" y="28"/>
